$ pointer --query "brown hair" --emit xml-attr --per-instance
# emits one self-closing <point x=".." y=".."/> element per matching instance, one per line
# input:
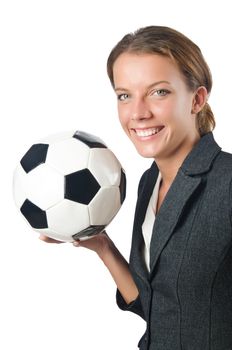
<point x="187" y="55"/>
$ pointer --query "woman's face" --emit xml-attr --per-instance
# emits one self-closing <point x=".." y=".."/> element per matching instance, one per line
<point x="155" y="105"/>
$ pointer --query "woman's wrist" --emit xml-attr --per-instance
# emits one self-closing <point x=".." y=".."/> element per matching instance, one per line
<point x="107" y="248"/>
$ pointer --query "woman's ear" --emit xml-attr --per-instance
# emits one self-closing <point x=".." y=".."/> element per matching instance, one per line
<point x="199" y="99"/>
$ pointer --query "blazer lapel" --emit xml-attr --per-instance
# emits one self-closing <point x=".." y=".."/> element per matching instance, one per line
<point x="186" y="182"/>
<point x="136" y="258"/>
<point x="170" y="213"/>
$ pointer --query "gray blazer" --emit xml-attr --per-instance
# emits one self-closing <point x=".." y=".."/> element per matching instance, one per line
<point x="186" y="299"/>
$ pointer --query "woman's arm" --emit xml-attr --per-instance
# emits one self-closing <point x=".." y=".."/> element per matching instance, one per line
<point x="115" y="263"/>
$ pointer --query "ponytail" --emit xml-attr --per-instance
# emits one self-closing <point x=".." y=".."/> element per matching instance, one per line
<point x="205" y="120"/>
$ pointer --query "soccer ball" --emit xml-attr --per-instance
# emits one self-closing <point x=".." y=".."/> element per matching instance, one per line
<point x="69" y="186"/>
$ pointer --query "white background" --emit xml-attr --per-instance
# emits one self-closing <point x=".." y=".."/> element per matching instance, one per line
<point x="53" y="78"/>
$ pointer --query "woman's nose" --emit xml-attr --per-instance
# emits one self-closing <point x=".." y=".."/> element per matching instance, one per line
<point x="140" y="111"/>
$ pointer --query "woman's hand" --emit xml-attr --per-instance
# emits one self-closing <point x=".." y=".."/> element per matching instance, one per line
<point x="48" y="239"/>
<point x="100" y="243"/>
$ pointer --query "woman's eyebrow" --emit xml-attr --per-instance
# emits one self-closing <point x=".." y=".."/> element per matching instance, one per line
<point x="149" y="86"/>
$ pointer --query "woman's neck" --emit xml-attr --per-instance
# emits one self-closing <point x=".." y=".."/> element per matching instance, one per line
<point x="169" y="166"/>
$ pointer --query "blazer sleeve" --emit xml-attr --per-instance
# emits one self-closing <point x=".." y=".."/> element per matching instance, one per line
<point x="135" y="306"/>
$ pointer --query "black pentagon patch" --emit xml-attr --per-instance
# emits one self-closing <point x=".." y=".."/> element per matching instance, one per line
<point x="91" y="141"/>
<point x="81" y="186"/>
<point x="35" y="156"/>
<point x="122" y="186"/>
<point x="89" y="231"/>
<point x="36" y="217"/>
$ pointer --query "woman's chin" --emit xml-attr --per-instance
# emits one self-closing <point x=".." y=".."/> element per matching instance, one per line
<point x="146" y="152"/>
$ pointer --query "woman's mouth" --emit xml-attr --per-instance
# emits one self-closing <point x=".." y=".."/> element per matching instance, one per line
<point x="149" y="131"/>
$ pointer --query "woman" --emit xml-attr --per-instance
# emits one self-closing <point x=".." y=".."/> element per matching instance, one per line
<point x="179" y="278"/>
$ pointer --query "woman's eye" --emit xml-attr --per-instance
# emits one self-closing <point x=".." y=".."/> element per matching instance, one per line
<point x="123" y="97"/>
<point x="161" y="92"/>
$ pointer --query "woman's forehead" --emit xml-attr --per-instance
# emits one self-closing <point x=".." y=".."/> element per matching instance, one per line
<point x="144" y="68"/>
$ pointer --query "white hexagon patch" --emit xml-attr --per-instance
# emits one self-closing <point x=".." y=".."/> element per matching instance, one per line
<point x="44" y="186"/>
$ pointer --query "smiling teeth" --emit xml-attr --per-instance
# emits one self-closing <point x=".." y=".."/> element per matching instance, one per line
<point x="147" y="132"/>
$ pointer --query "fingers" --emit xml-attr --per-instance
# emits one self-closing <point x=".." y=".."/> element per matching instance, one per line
<point x="76" y="243"/>
<point x="48" y="239"/>
<point x="84" y="242"/>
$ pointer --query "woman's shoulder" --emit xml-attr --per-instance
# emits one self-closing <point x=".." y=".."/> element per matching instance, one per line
<point x="221" y="171"/>
<point x="224" y="160"/>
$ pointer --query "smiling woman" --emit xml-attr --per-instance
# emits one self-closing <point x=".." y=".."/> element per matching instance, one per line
<point x="181" y="253"/>
<point x="179" y="276"/>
